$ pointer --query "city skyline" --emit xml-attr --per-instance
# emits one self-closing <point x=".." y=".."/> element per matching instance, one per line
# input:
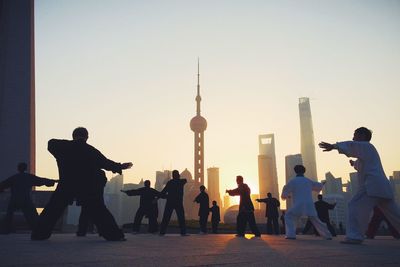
<point x="135" y="84"/>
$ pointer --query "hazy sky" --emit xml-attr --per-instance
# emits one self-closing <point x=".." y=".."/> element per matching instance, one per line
<point x="126" y="70"/>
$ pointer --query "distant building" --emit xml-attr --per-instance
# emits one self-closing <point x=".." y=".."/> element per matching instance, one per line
<point x="290" y="162"/>
<point x="113" y="197"/>
<point x="213" y="184"/>
<point x="333" y="185"/>
<point x="267" y="173"/>
<point x="191" y="190"/>
<point x="307" y="139"/>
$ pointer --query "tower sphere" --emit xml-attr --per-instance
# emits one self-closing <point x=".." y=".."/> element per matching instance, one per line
<point x="198" y="124"/>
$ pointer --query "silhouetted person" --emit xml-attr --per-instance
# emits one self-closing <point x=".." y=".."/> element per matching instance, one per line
<point x="376" y="221"/>
<point x="300" y="189"/>
<point x="272" y="213"/>
<point x="246" y="209"/>
<point x="215" y="217"/>
<point x="283" y="230"/>
<point x="374" y="188"/>
<point x="173" y="192"/>
<point x="82" y="178"/>
<point x="322" y="208"/>
<point x="85" y="224"/>
<point x="148" y="206"/>
<point x="21" y="187"/>
<point x="204" y="208"/>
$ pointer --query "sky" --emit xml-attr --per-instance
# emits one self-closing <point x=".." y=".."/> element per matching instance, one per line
<point x="126" y="70"/>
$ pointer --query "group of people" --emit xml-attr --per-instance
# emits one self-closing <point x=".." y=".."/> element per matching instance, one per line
<point x="82" y="179"/>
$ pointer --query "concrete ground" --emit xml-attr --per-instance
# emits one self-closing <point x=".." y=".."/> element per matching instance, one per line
<point x="195" y="250"/>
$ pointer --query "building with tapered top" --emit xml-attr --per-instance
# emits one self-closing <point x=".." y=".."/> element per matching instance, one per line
<point x="267" y="173"/>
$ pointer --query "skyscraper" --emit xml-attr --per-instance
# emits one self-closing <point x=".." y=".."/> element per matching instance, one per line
<point x="290" y="162"/>
<point x="213" y="184"/>
<point x="17" y="86"/>
<point x="307" y="139"/>
<point x="267" y="174"/>
<point x="198" y="124"/>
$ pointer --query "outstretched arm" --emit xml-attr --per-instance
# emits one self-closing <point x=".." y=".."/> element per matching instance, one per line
<point x="261" y="200"/>
<point x="233" y="192"/>
<point x="327" y="146"/>
<point x="132" y="192"/>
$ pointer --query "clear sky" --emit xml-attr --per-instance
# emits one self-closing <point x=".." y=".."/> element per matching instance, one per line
<point x="126" y="70"/>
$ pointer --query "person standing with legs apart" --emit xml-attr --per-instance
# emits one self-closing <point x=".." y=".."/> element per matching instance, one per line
<point x="173" y="192"/>
<point x="215" y="217"/>
<point x="246" y="209"/>
<point x="204" y="209"/>
<point x="272" y="213"/>
<point x="374" y="187"/>
<point x="300" y="189"/>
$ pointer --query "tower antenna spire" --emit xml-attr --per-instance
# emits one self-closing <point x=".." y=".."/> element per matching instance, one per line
<point x="198" y="97"/>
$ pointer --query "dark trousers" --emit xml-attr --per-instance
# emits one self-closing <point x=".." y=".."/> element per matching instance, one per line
<point x="97" y="212"/>
<point x="307" y="228"/>
<point x="27" y="208"/>
<point x="242" y="219"/>
<point x="85" y="223"/>
<point x="376" y="221"/>
<point x="328" y="224"/>
<point x="140" y="213"/>
<point x="180" y="213"/>
<point x="214" y="225"/>
<point x="203" y="222"/>
<point x="272" y="225"/>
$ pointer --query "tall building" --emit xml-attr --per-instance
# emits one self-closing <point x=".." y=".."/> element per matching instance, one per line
<point x="213" y="185"/>
<point x="333" y="185"/>
<point x="307" y="139"/>
<point x="198" y="124"/>
<point x="290" y="162"/>
<point x="113" y="197"/>
<point x="17" y="86"/>
<point x="267" y="174"/>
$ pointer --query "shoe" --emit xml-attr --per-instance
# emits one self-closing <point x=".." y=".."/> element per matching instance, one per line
<point x="351" y="241"/>
<point x="290" y="238"/>
<point x="239" y="235"/>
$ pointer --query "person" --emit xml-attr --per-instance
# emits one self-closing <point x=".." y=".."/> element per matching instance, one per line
<point x="173" y="192"/>
<point x="374" y="187"/>
<point x="283" y="231"/>
<point x="148" y="206"/>
<point x="341" y="229"/>
<point x="215" y="217"/>
<point x="246" y="209"/>
<point x="271" y="213"/>
<point x="21" y="187"/>
<point x="300" y="188"/>
<point x="85" y="224"/>
<point x="80" y="167"/>
<point x="204" y="209"/>
<point x="376" y="221"/>
<point x="322" y="208"/>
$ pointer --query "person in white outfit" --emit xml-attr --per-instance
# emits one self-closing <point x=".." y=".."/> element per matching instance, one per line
<point x="374" y="187"/>
<point x="300" y="189"/>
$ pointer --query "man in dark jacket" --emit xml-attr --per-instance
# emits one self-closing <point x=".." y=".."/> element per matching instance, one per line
<point x="21" y="187"/>
<point x="173" y="192"/>
<point x="147" y="207"/>
<point x="215" y="217"/>
<point x="246" y="208"/>
<point x="81" y="177"/>
<point x="204" y="209"/>
<point x="323" y="208"/>
<point x="271" y="213"/>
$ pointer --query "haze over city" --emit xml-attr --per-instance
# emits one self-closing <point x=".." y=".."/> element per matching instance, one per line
<point x="127" y="70"/>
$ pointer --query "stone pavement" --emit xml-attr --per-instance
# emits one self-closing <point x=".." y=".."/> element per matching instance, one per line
<point x="195" y="250"/>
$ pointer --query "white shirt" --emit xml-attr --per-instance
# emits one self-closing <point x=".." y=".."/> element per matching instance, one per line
<point x="371" y="176"/>
<point x="300" y="189"/>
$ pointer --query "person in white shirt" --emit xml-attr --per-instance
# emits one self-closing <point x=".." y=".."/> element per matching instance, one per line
<point x="374" y="187"/>
<point x="300" y="189"/>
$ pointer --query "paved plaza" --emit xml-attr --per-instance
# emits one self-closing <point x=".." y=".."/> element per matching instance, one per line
<point x="195" y="250"/>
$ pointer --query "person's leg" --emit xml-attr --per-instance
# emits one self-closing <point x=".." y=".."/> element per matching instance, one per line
<point x="166" y="217"/>
<point x="374" y="224"/>
<point x="269" y="226"/>
<point x="252" y="223"/>
<point x="360" y="208"/>
<point x="153" y="224"/>
<point x="203" y="223"/>
<point x="30" y="214"/>
<point x="290" y="225"/>
<point x="8" y="220"/>
<point x="391" y="211"/>
<point x="54" y="209"/>
<point x="83" y="222"/>
<point x="321" y="227"/>
<point x="240" y="224"/>
<point x="307" y="227"/>
<point x="331" y="228"/>
<point x="214" y="226"/>
<point x="180" y="213"/>
<point x="138" y="220"/>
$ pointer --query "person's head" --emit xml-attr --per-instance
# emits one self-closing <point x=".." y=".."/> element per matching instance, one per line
<point x="202" y="188"/>
<point x="269" y="194"/>
<point x="22" y="167"/>
<point x="299" y="169"/>
<point x="214" y="203"/>
<point x="175" y="174"/>
<point x="319" y="197"/>
<point x="362" y="134"/>
<point x="80" y="133"/>
<point x="147" y="183"/>
<point x="239" y="179"/>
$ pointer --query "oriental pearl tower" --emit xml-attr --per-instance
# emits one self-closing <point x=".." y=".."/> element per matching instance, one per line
<point x="198" y="124"/>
